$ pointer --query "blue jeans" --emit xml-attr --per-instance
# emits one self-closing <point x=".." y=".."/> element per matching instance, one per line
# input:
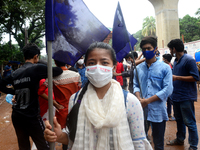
<point x="158" y="130"/>
<point x="169" y="106"/>
<point x="185" y="116"/>
<point x="158" y="133"/>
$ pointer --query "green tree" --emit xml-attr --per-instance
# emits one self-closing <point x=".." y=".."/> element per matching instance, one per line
<point x="190" y="28"/>
<point x="16" y="15"/>
<point x="138" y="35"/>
<point x="6" y="53"/>
<point x="149" y="26"/>
<point x="198" y="12"/>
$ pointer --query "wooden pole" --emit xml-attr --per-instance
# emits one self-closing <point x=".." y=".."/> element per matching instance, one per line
<point x="26" y="36"/>
<point x="182" y="38"/>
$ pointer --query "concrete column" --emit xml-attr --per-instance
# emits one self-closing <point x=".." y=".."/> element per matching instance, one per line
<point x="167" y="21"/>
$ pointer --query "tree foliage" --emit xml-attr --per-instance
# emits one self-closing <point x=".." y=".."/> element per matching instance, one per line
<point x="198" y="12"/>
<point x="190" y="28"/>
<point x="6" y="53"/>
<point x="138" y="35"/>
<point x="16" y="15"/>
<point x="149" y="26"/>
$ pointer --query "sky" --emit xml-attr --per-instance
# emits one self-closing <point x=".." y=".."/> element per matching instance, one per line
<point x="134" y="11"/>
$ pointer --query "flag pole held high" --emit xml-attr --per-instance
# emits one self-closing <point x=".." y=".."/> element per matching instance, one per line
<point x="75" y="28"/>
<point x="70" y="29"/>
<point x="122" y="41"/>
<point x="49" y="26"/>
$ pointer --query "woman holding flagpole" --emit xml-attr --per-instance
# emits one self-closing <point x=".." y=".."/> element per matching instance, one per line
<point x="107" y="117"/>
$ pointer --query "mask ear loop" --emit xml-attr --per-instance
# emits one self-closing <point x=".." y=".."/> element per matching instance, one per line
<point x="113" y="69"/>
<point x="154" y="50"/>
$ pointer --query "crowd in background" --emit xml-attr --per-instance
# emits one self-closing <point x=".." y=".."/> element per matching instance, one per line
<point x="100" y="103"/>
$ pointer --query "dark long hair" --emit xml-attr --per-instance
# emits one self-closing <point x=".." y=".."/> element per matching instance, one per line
<point x="72" y="117"/>
<point x="101" y="45"/>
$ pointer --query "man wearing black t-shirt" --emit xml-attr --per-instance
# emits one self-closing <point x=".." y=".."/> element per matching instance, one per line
<point x="25" y="115"/>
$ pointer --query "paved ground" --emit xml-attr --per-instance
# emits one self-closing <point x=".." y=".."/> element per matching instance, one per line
<point x="8" y="139"/>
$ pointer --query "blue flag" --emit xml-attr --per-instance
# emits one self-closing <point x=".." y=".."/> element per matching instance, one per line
<point x="120" y="36"/>
<point x="74" y="29"/>
<point x="197" y="56"/>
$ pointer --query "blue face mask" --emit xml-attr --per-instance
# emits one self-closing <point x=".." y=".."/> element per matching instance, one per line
<point x="149" y="54"/>
<point x="158" y="58"/>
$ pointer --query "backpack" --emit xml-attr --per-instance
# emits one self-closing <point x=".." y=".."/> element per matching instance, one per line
<point x="72" y="117"/>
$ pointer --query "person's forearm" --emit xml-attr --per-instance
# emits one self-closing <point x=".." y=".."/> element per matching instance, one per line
<point x="63" y="138"/>
<point x="117" y="74"/>
<point x="44" y="96"/>
<point x="144" y="102"/>
<point x="149" y="100"/>
<point x="137" y="94"/>
<point x="184" y="78"/>
<point x="137" y="62"/>
<point x="152" y="99"/>
<point x="139" y="57"/>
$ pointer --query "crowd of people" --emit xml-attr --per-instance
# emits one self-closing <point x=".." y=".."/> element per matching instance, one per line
<point x="94" y="105"/>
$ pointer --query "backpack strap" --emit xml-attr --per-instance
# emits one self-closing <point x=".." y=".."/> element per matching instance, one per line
<point x="125" y="95"/>
<point x="75" y="97"/>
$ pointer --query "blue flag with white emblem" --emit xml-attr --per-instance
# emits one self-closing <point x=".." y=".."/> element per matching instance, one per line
<point x="72" y="28"/>
<point x="120" y="36"/>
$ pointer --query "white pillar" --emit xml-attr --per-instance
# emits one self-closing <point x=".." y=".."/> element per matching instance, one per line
<point x="167" y="21"/>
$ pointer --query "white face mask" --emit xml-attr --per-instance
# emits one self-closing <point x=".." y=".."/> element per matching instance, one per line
<point x="99" y="75"/>
<point x="80" y="61"/>
<point x="129" y="62"/>
<point x="174" y="54"/>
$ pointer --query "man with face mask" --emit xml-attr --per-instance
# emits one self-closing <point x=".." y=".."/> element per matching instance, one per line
<point x="155" y="79"/>
<point x="157" y="55"/>
<point x="80" y="66"/>
<point x="129" y="59"/>
<point x="185" y="75"/>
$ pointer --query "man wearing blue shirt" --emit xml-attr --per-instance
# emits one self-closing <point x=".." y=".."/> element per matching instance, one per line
<point x="80" y="66"/>
<point x="185" y="75"/>
<point x="156" y="84"/>
<point x="7" y="69"/>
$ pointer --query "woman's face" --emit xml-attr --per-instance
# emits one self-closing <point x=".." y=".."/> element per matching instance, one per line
<point x="99" y="56"/>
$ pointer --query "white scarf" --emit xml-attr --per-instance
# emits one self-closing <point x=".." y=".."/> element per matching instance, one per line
<point x="104" y="115"/>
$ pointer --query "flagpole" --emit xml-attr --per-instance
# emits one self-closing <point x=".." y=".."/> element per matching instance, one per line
<point x="50" y="89"/>
<point x="128" y="40"/>
<point x="145" y="112"/>
<point x="136" y="69"/>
